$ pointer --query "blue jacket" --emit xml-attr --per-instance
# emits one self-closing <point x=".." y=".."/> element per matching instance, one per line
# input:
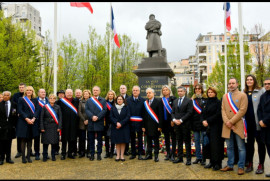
<point x="92" y="110"/>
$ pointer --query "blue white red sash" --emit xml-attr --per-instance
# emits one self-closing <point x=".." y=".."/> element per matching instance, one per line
<point x="235" y="111"/>
<point x="41" y="103"/>
<point x="97" y="103"/>
<point x="136" y="118"/>
<point x="109" y="106"/>
<point x="196" y="106"/>
<point x="69" y="104"/>
<point x="30" y="104"/>
<point x="167" y="105"/>
<point x="150" y="111"/>
<point x="53" y="114"/>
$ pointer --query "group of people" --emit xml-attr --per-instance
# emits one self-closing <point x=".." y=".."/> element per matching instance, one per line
<point x="238" y="120"/>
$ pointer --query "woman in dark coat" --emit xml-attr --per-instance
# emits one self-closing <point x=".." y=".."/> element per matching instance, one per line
<point x="212" y="120"/>
<point x="83" y="123"/>
<point x="107" y="129"/>
<point x="50" y="127"/>
<point x="199" y="100"/>
<point x="167" y="127"/>
<point x="27" y="127"/>
<point x="120" y="133"/>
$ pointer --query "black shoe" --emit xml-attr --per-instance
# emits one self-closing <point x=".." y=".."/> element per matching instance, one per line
<point x="216" y="167"/>
<point x="148" y="157"/>
<point x="63" y="157"/>
<point x="37" y="157"/>
<point x="10" y="161"/>
<point x="98" y="157"/>
<point x="24" y="160"/>
<point x="156" y="158"/>
<point x="267" y="175"/>
<point x="87" y="155"/>
<point x="29" y="160"/>
<point x="188" y="163"/>
<point x="178" y="160"/>
<point x="167" y="157"/>
<point x="53" y="158"/>
<point x="203" y="162"/>
<point x="71" y="156"/>
<point x="1" y="162"/>
<point x="172" y="158"/>
<point x="18" y="155"/>
<point x="123" y="160"/>
<point x="92" y="157"/>
<point x="117" y="159"/>
<point x="44" y="159"/>
<point x="197" y="161"/>
<point x="140" y="157"/>
<point x="81" y="155"/>
<point x="56" y="153"/>
<point x="107" y="155"/>
<point x="132" y="157"/>
<point x="208" y="166"/>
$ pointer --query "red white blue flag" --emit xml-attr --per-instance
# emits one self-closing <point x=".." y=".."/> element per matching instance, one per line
<point x="228" y="16"/>
<point x="82" y="4"/>
<point x="115" y="37"/>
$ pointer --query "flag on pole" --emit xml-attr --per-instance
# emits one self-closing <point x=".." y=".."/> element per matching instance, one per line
<point x="228" y="16"/>
<point x="82" y="4"/>
<point x="114" y="30"/>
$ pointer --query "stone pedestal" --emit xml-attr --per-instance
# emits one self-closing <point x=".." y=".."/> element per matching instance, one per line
<point x="153" y="72"/>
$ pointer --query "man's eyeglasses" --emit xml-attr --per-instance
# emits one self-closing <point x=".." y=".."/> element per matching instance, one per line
<point x="266" y="83"/>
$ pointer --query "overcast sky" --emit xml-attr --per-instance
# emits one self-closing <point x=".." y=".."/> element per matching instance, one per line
<point x="182" y="22"/>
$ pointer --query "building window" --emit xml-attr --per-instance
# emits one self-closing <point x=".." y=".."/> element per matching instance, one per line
<point x="220" y="38"/>
<point x="210" y="69"/>
<point x="207" y="38"/>
<point x="209" y="49"/>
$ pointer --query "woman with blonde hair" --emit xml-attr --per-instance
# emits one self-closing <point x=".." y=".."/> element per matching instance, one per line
<point x="27" y="127"/>
<point x="110" y="99"/>
<point x="83" y="123"/>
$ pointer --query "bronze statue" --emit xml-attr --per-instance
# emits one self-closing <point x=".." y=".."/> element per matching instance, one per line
<point x="154" y="46"/>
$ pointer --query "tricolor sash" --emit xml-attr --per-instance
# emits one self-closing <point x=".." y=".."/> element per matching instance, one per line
<point x="41" y="103"/>
<point x="150" y="111"/>
<point x="196" y="106"/>
<point x="97" y="103"/>
<point x="235" y="111"/>
<point x="167" y="105"/>
<point x="109" y="106"/>
<point x="69" y="104"/>
<point x="136" y="118"/>
<point x="30" y="104"/>
<point x="53" y="114"/>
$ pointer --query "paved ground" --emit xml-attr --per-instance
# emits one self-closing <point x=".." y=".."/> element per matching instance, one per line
<point x="109" y="169"/>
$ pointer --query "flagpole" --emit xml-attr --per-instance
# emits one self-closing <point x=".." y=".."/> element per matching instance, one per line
<point x="55" y="49"/>
<point x="110" y="48"/>
<point x="225" y="46"/>
<point x="241" y="46"/>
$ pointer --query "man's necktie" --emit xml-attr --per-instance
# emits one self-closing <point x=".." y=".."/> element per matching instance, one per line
<point x="6" y="105"/>
<point x="179" y="104"/>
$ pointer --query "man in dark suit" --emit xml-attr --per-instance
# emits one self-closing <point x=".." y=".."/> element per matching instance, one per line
<point x="136" y="106"/>
<point x="152" y="122"/>
<point x="264" y="116"/>
<point x="8" y="118"/>
<point x="95" y="109"/>
<point x="15" y="99"/>
<point x="123" y="92"/>
<point x="181" y="112"/>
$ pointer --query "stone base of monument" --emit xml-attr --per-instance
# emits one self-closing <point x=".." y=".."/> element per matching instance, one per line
<point x="153" y="72"/>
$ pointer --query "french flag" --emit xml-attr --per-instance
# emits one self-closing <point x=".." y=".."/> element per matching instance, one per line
<point x="228" y="16"/>
<point x="114" y="31"/>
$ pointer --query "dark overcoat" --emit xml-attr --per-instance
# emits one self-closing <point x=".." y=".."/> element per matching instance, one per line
<point x="135" y="109"/>
<point x="107" y="117"/>
<point x="121" y="135"/>
<point x="47" y="123"/>
<point x="211" y="112"/>
<point x="150" y="125"/>
<point x="25" y="130"/>
<point x="69" y="121"/>
<point x="196" y="124"/>
<point x="166" y="127"/>
<point x="264" y="115"/>
<point x="91" y="110"/>
<point x="7" y="124"/>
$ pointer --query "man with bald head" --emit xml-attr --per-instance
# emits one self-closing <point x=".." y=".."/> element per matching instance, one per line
<point x="69" y="109"/>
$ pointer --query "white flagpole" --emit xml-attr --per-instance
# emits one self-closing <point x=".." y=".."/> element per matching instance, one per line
<point x="241" y="46"/>
<point x="55" y="49"/>
<point x="225" y="47"/>
<point x="110" y="49"/>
